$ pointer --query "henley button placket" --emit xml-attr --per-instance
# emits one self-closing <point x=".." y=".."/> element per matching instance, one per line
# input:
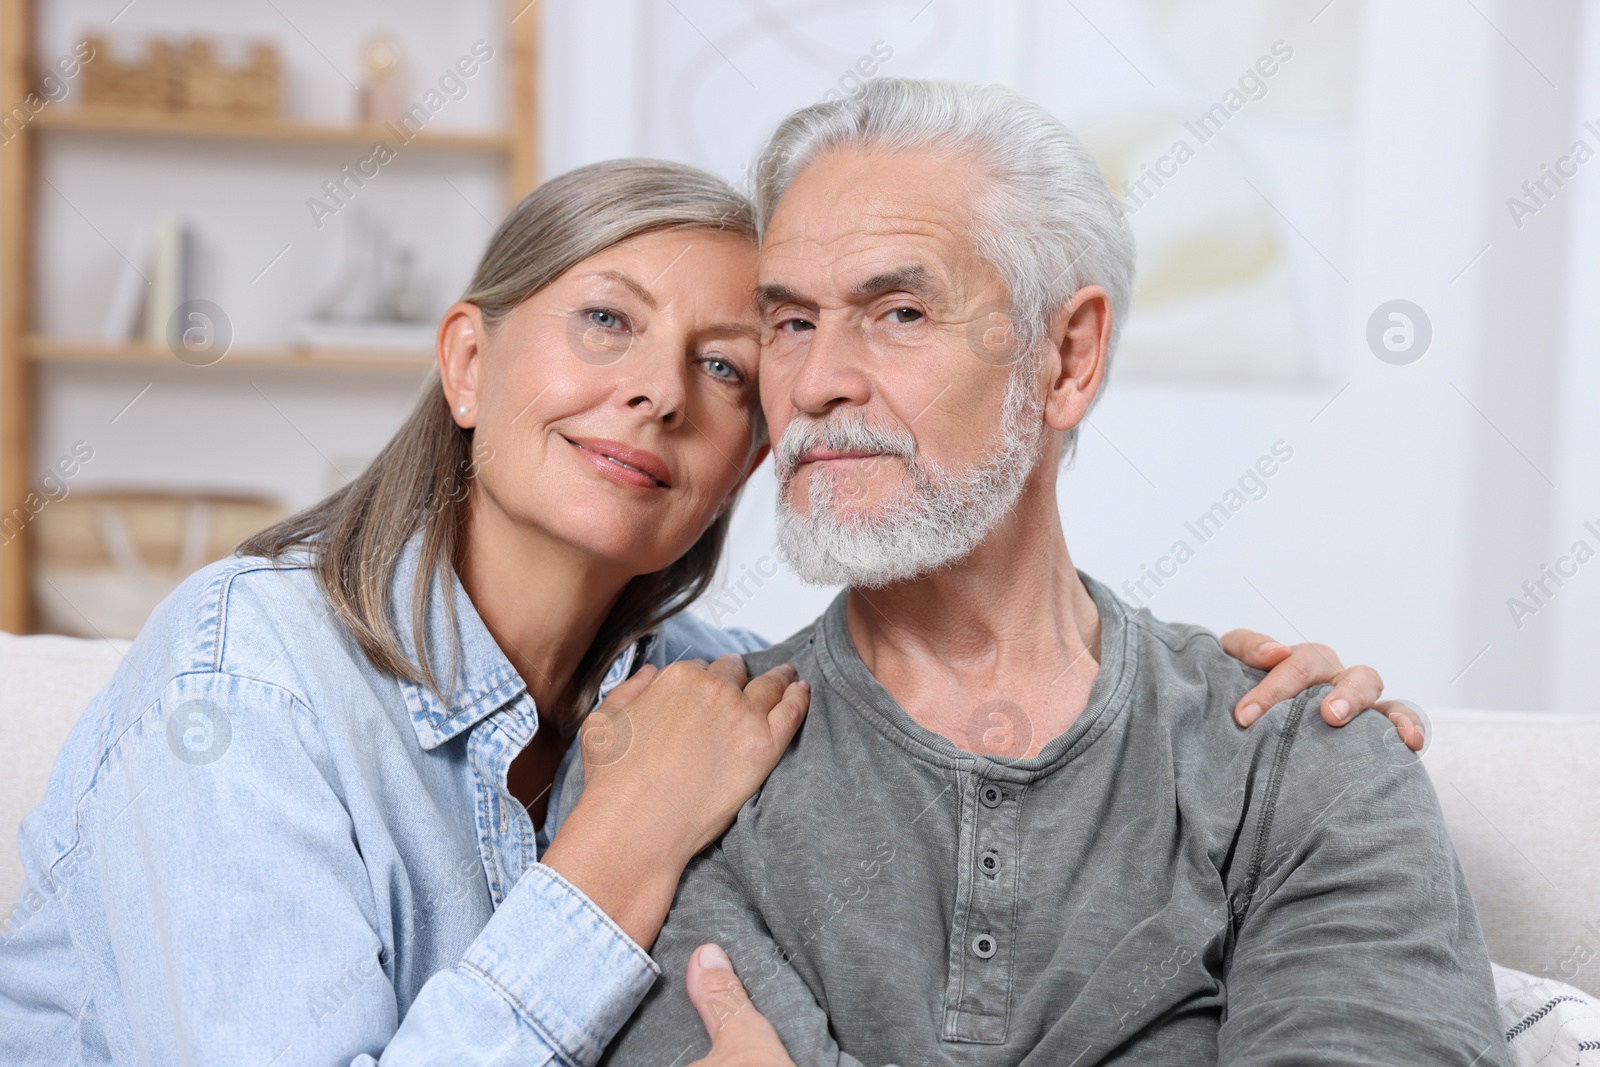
<point x="978" y="985"/>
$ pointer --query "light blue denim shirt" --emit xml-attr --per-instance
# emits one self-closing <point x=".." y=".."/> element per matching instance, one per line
<point x="258" y="849"/>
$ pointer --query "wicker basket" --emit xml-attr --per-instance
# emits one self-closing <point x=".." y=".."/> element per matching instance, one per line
<point x="105" y="560"/>
<point x="184" y="76"/>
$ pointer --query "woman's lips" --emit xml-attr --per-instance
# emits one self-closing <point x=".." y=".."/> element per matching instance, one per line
<point x="624" y="464"/>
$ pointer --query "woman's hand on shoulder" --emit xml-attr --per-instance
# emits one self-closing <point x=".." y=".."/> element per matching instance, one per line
<point x="668" y="759"/>
<point x="692" y="741"/>
<point x="1293" y="669"/>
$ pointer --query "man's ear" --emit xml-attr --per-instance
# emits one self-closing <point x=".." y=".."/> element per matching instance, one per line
<point x="1080" y="339"/>
<point x="460" y="347"/>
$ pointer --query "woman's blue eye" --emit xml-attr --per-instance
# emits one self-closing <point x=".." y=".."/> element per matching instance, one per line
<point x="723" y="369"/>
<point x="606" y="320"/>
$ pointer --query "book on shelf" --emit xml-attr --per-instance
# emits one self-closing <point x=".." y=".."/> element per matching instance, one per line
<point x="153" y="283"/>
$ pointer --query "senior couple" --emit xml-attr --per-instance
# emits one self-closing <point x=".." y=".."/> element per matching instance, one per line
<point x="330" y="810"/>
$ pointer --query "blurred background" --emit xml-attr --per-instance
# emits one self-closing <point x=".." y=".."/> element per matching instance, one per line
<point x="1355" y="402"/>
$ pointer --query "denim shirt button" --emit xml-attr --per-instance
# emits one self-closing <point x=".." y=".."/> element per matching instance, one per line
<point x="983" y="946"/>
<point x="990" y="795"/>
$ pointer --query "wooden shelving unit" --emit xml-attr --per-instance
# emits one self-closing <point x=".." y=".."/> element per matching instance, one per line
<point x="232" y="128"/>
<point x="22" y="351"/>
<point x="132" y="354"/>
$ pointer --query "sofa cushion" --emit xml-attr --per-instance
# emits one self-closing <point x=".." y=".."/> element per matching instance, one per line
<point x="1521" y="793"/>
<point x="45" y="683"/>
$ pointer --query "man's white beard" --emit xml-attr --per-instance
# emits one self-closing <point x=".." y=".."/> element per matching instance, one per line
<point x="937" y="519"/>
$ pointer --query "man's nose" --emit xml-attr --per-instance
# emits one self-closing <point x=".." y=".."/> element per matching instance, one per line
<point x="833" y="372"/>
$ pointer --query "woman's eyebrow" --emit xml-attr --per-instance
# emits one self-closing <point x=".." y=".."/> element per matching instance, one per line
<point x="628" y="282"/>
<point x="733" y="329"/>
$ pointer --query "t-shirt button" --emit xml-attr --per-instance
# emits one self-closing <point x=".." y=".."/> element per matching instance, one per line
<point x="989" y="862"/>
<point x="990" y="795"/>
<point x="983" y="946"/>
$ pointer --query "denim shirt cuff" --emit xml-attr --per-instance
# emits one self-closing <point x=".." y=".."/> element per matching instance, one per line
<point x="567" y="969"/>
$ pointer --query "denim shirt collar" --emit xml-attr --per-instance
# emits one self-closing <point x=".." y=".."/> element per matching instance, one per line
<point x="484" y="679"/>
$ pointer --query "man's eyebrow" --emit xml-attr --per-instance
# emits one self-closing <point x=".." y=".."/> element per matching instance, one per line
<point x="770" y="296"/>
<point x="912" y="278"/>
<point x="628" y="282"/>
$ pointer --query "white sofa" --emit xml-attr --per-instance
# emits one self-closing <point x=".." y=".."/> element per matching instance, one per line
<point x="1520" y="791"/>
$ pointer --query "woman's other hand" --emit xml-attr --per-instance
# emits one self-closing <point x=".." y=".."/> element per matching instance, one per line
<point x="667" y="761"/>
<point x="740" y="1035"/>
<point x="1292" y="670"/>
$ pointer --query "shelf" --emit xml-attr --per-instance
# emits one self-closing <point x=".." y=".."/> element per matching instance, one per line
<point x="34" y="367"/>
<point x="223" y="127"/>
<point x="58" y="350"/>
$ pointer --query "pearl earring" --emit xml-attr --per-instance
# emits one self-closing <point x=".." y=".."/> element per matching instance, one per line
<point x="462" y="409"/>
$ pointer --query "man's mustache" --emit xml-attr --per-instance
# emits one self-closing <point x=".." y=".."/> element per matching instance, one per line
<point x="842" y="433"/>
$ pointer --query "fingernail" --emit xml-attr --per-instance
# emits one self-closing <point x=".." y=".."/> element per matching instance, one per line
<point x="1340" y="709"/>
<point x="1250" y="714"/>
<point x="803" y="684"/>
<point x="1272" y="646"/>
<point x="712" y="958"/>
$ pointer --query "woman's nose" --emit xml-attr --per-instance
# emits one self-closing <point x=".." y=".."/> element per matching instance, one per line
<point x="656" y="387"/>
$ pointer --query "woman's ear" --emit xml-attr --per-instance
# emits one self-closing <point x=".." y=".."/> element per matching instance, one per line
<point x="460" y="344"/>
<point x="1080" y="339"/>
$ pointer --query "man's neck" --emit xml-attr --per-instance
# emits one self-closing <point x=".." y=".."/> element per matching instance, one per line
<point x="998" y="652"/>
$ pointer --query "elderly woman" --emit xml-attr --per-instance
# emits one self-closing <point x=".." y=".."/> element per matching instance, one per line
<point x="307" y="822"/>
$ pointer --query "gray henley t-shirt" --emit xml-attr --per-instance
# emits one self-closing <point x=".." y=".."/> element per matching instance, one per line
<point x="1156" y="886"/>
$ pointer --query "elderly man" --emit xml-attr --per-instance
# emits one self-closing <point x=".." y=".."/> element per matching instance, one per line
<point x="1018" y="825"/>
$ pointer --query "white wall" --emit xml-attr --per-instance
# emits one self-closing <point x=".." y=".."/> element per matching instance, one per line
<point x="1418" y="497"/>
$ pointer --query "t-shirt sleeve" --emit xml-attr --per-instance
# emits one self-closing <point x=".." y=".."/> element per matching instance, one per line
<point x="1357" y="941"/>
<point x="712" y="905"/>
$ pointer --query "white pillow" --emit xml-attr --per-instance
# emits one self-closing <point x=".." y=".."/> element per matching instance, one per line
<point x="1546" y="1023"/>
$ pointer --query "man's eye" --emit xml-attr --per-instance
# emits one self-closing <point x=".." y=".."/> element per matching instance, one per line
<point x="904" y="315"/>
<point x="796" y="325"/>
<point x="606" y="320"/>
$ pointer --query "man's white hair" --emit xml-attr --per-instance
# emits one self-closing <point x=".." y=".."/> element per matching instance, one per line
<point x="1045" y="218"/>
